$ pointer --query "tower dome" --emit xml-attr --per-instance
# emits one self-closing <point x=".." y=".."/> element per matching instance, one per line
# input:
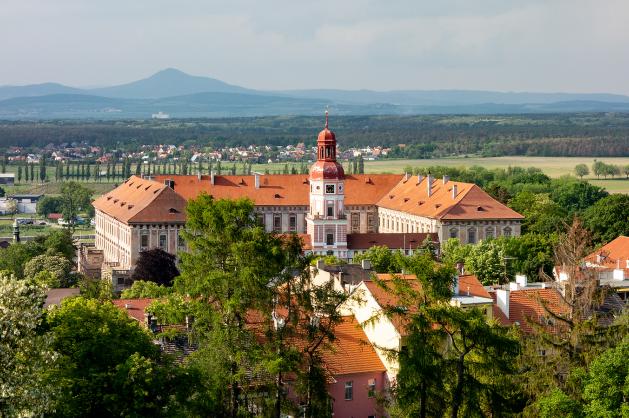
<point x="326" y="166"/>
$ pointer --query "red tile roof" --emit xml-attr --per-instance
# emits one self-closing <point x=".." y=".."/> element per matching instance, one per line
<point x="527" y="305"/>
<point x="140" y="200"/>
<point x="612" y="255"/>
<point x="351" y="352"/>
<point x="281" y="189"/>
<point x="134" y="307"/>
<point x="469" y="285"/>
<point x="470" y="202"/>
<point x="390" y="240"/>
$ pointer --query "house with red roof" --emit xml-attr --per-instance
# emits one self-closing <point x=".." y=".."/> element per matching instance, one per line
<point x="609" y="265"/>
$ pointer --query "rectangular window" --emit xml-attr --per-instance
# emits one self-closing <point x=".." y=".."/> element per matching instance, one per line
<point x="163" y="241"/>
<point x="181" y="243"/>
<point x="371" y="222"/>
<point x="277" y="222"/>
<point x="292" y="222"/>
<point x="329" y="239"/>
<point x="144" y="240"/>
<point x="329" y="188"/>
<point x="371" y="388"/>
<point x="349" y="390"/>
<point x="355" y="222"/>
<point x="260" y="217"/>
<point x="330" y="209"/>
<point x="471" y="236"/>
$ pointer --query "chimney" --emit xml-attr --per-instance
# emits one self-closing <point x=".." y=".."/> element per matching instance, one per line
<point x="455" y="285"/>
<point x="366" y="264"/>
<point x="406" y="177"/>
<point x="199" y="174"/>
<point x="419" y="178"/>
<point x="520" y="279"/>
<point x="257" y="180"/>
<point x="455" y="191"/>
<point x="212" y="178"/>
<point x="446" y="178"/>
<point x="628" y="263"/>
<point x="513" y="286"/>
<point x="502" y="300"/>
<point x="429" y="180"/>
<point x="618" y="274"/>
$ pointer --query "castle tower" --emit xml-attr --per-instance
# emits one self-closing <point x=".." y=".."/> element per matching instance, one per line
<point x="326" y="221"/>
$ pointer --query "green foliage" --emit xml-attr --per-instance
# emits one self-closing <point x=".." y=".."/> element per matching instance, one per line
<point x="74" y="198"/>
<point x="330" y="260"/>
<point x="49" y="204"/>
<point x="56" y="267"/>
<point x="541" y="214"/>
<point x="487" y="261"/>
<point x="529" y="254"/>
<point x="144" y="289"/>
<point x="581" y="170"/>
<point x="58" y="241"/>
<point x="94" y="340"/>
<point x="575" y="196"/>
<point x="558" y="404"/>
<point x="608" y="218"/>
<point x="383" y="260"/>
<point x="98" y="289"/>
<point x="606" y="390"/>
<point x="26" y="355"/>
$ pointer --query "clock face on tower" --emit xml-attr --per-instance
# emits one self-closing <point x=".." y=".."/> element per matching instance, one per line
<point x="329" y="188"/>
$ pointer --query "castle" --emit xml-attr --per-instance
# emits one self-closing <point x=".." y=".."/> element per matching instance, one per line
<point x="334" y="213"/>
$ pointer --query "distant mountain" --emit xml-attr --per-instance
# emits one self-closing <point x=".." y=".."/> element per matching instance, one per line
<point x="168" y="83"/>
<point x="183" y="96"/>
<point x="7" y="92"/>
<point x="451" y="97"/>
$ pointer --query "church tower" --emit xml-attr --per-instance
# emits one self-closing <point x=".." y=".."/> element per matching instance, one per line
<point x="326" y="221"/>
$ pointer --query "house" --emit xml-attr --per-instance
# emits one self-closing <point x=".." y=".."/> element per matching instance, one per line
<point x="609" y="264"/>
<point x="7" y="179"/>
<point x="356" y="373"/>
<point x="370" y="299"/>
<point x="27" y="203"/>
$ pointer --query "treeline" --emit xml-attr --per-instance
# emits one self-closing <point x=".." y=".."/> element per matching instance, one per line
<point x="422" y="136"/>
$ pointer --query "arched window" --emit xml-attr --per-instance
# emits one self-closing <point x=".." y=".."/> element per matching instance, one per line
<point x="489" y="232"/>
<point x="454" y="232"/>
<point x="506" y="231"/>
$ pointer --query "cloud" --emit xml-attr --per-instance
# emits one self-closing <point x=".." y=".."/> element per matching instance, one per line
<point x="551" y="45"/>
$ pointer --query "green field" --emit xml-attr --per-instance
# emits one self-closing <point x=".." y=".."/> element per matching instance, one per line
<point x="552" y="166"/>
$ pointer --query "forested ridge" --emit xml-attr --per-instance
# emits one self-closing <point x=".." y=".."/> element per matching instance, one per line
<point x="583" y="134"/>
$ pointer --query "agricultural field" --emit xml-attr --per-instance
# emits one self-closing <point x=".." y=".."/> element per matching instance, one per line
<point x="551" y="166"/>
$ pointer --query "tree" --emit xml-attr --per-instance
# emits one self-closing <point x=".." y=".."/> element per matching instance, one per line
<point x="487" y="261"/>
<point x="49" y="270"/>
<point x="625" y="170"/>
<point x="383" y="260"/>
<point x="227" y="273"/>
<point x="581" y="170"/>
<point x="558" y="404"/>
<point x="32" y="169"/>
<point x="143" y="289"/>
<point x="49" y="204"/>
<point x="19" y="173"/>
<point x="156" y="265"/>
<point x="26" y="354"/>
<point x="361" y="164"/>
<point x="598" y="168"/>
<point x="575" y="196"/>
<point x="99" y="347"/>
<point x="55" y="242"/>
<point x="608" y="217"/>
<point x="42" y="168"/>
<point x="74" y="198"/>
<point x="541" y="214"/>
<point x="606" y="389"/>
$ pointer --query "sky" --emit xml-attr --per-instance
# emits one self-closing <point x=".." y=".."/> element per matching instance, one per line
<point x="502" y="45"/>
